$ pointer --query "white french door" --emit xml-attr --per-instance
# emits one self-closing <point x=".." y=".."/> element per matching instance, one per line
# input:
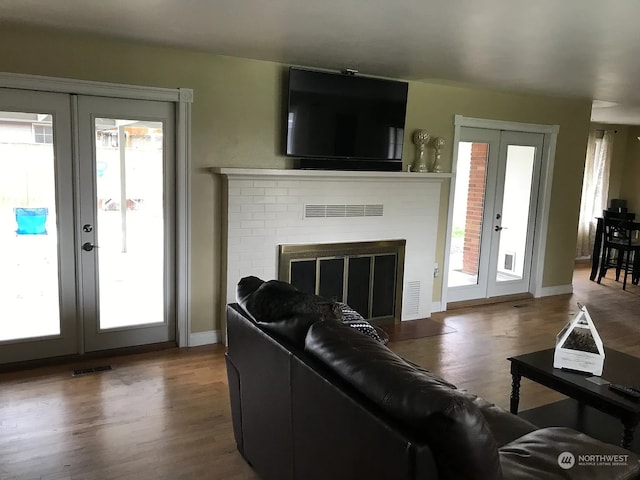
<point x="86" y="224"/>
<point x="37" y="246"/>
<point x="125" y="221"/>
<point x="494" y="210"/>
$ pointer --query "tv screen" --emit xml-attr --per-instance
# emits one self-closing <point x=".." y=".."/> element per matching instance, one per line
<point x="345" y="121"/>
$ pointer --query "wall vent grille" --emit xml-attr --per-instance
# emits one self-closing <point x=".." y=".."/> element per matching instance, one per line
<point x="343" y="211"/>
<point x="412" y="298"/>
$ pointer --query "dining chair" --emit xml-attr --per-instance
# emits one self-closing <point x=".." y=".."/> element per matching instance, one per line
<point x="620" y="247"/>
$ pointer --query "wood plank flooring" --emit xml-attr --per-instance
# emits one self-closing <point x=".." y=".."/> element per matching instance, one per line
<point x="165" y="415"/>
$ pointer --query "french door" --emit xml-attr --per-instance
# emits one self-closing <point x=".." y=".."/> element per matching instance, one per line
<point x="494" y="211"/>
<point x="86" y="224"/>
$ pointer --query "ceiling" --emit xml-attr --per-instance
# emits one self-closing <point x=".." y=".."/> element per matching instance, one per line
<point x="582" y="48"/>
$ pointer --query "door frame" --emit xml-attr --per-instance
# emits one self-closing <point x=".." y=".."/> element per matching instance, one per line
<point x="183" y="99"/>
<point x="550" y="133"/>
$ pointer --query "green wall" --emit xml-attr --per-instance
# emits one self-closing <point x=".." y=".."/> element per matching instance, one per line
<point x="237" y="114"/>
<point x="630" y="187"/>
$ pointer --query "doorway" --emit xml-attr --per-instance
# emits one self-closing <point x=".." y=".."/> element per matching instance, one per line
<point x="495" y="203"/>
<point x="87" y="222"/>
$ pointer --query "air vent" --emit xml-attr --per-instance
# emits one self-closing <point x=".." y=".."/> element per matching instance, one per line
<point x="343" y="211"/>
<point x="412" y="298"/>
<point x="86" y="371"/>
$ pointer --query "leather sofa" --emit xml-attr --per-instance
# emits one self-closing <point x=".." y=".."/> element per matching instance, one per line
<point x="314" y="399"/>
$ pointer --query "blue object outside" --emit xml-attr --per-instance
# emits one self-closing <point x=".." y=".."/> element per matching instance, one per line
<point x="31" y="221"/>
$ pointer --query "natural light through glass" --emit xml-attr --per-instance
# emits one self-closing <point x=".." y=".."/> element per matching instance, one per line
<point x="130" y="221"/>
<point x="468" y="210"/>
<point x="29" y="291"/>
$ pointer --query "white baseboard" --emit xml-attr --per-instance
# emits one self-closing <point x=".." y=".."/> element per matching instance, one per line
<point x="205" y="338"/>
<point x="557" y="290"/>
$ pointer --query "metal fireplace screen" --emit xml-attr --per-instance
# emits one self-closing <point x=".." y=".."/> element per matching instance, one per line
<point x="366" y="275"/>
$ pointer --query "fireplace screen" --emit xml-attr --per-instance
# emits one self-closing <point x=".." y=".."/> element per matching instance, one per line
<point x="366" y="275"/>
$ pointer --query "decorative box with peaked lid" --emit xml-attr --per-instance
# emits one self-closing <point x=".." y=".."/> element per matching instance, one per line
<point x="578" y="345"/>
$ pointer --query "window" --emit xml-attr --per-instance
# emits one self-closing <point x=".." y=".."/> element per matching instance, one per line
<point x="43" y="133"/>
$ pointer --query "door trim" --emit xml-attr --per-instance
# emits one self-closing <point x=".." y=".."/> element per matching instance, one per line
<point x="544" y="195"/>
<point x="183" y="98"/>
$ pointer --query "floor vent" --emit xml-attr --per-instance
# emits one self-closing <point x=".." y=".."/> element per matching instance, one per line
<point x="86" y="371"/>
<point x="343" y="211"/>
<point x="521" y="305"/>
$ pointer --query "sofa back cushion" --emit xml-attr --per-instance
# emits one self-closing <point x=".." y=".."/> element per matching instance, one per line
<point x="281" y="308"/>
<point x="454" y="428"/>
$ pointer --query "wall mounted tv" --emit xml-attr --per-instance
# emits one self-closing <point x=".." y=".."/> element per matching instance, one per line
<point x="344" y="121"/>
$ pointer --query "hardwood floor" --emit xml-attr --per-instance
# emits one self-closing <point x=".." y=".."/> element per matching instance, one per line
<point x="165" y="415"/>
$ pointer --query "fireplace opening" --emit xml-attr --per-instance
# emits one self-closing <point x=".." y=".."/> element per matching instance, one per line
<point x="368" y="276"/>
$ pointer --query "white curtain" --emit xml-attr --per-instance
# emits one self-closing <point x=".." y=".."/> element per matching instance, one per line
<point x="595" y="189"/>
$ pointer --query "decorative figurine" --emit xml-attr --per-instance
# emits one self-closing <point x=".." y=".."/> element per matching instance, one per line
<point x="438" y="143"/>
<point x="420" y="139"/>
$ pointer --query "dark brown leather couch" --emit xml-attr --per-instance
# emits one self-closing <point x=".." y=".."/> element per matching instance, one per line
<point x="314" y="399"/>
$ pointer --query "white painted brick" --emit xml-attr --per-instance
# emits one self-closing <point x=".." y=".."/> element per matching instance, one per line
<point x="410" y="212"/>
<point x="289" y="183"/>
<point x="265" y="183"/>
<point x="275" y="191"/>
<point x="240" y="200"/>
<point x="252" y="208"/>
<point x="289" y="217"/>
<point x="264" y="232"/>
<point x="264" y="215"/>
<point x="252" y="224"/>
<point x="240" y="183"/>
<point x="272" y="199"/>
<point x="275" y="208"/>
<point x="238" y="233"/>
<point x="289" y="200"/>
<point x="253" y="191"/>
<point x="298" y="192"/>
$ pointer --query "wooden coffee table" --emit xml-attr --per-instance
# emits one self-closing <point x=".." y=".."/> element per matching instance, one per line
<point x="589" y="407"/>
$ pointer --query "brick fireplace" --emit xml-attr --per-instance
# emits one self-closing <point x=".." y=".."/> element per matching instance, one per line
<point x="266" y="209"/>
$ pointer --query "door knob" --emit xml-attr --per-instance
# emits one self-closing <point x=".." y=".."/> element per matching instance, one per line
<point x="88" y="246"/>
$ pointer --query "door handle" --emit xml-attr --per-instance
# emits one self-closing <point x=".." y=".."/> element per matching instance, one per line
<point x="88" y="246"/>
<point x="497" y="229"/>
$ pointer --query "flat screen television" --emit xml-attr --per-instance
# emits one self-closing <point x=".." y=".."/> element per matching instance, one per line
<point x="345" y="121"/>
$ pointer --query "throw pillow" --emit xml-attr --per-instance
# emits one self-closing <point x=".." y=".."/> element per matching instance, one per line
<point x="356" y="321"/>
<point x="281" y="308"/>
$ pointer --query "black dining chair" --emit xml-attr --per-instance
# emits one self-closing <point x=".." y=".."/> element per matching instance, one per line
<point x="619" y="248"/>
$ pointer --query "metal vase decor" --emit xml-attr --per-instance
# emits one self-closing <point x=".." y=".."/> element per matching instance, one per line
<point x="420" y="139"/>
<point x="438" y="143"/>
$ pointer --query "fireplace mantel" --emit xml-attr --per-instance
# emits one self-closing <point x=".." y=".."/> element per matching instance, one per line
<point x="333" y="174"/>
<point x="266" y="208"/>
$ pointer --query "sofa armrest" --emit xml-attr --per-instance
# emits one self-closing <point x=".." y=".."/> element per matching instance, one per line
<point x="535" y="456"/>
<point x="234" y="396"/>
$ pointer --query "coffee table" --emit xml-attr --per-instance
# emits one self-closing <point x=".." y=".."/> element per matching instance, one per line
<point x="589" y="407"/>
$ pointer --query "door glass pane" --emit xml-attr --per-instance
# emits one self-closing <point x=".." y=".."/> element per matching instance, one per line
<point x="468" y="207"/>
<point x="29" y="290"/>
<point x="130" y="221"/>
<point x="515" y="212"/>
